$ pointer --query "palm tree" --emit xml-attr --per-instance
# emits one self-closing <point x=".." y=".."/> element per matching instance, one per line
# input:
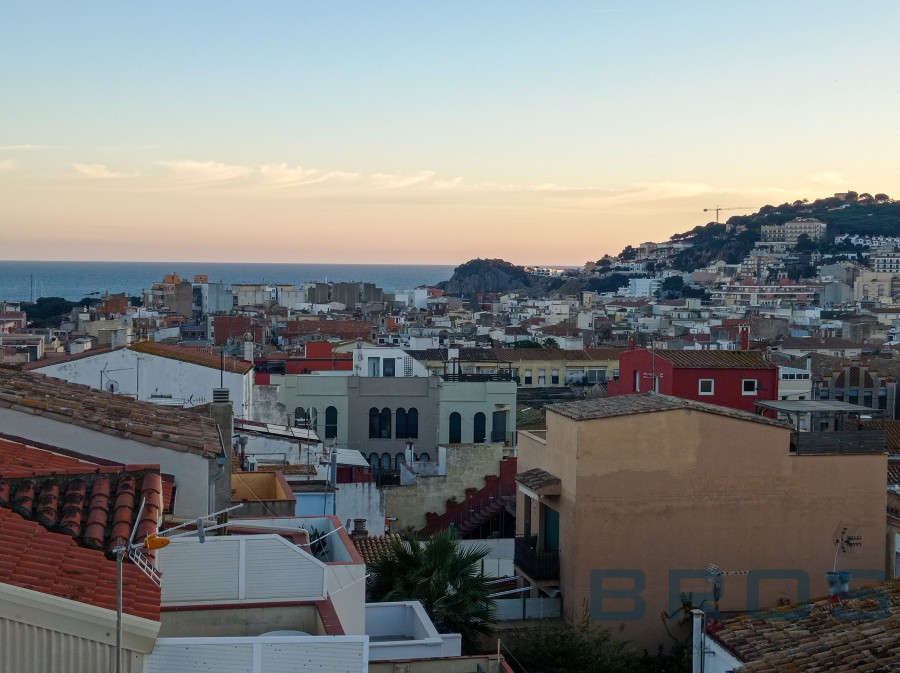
<point x="443" y="575"/>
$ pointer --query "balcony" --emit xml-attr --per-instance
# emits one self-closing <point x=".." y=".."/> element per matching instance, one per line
<point x="839" y="442"/>
<point x="469" y="378"/>
<point x="538" y="565"/>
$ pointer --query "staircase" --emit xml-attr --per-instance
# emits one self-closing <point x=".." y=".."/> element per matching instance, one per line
<point x="478" y="507"/>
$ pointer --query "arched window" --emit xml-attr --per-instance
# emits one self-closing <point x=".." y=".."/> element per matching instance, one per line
<point x="373" y="461"/>
<point x="455" y="428"/>
<point x="412" y="423"/>
<point x="401" y="424"/>
<point x="385" y="423"/>
<point x="385" y="461"/>
<point x="479" y="429"/>
<point x="330" y="422"/>
<point x="425" y="458"/>
<point x="374" y="423"/>
<point x="301" y="420"/>
<point x="399" y="458"/>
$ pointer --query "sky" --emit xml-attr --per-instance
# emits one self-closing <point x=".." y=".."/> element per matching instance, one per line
<point x="429" y="132"/>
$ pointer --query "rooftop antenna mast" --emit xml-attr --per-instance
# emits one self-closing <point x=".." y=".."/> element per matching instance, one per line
<point x="845" y="541"/>
<point x="153" y="541"/>
<point x="714" y="575"/>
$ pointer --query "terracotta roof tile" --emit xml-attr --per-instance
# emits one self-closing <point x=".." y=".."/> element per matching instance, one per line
<point x="98" y="410"/>
<point x="693" y="359"/>
<point x="52" y="563"/>
<point x="642" y="403"/>
<point x="373" y="546"/>
<point x="858" y="633"/>
<point x="536" y="479"/>
<point x="204" y="356"/>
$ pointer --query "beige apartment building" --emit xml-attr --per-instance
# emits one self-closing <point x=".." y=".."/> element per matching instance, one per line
<point x="649" y="494"/>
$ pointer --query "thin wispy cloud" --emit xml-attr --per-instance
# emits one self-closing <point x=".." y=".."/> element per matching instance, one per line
<point x="200" y="173"/>
<point x="17" y="148"/>
<point x="282" y="175"/>
<point x="98" y="172"/>
<point x="399" y="181"/>
<point x="7" y="165"/>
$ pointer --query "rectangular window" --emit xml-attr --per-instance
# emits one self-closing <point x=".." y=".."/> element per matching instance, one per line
<point x="527" y="377"/>
<point x="706" y="386"/>
<point x="554" y="377"/>
<point x="374" y="366"/>
<point x="637" y="382"/>
<point x="823" y="394"/>
<point x="389" y="366"/>
<point x="749" y="387"/>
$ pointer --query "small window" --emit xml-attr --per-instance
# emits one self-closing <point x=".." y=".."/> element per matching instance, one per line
<point x="554" y="377"/>
<point x="527" y="377"/>
<point x="706" y="386"/>
<point x="749" y="386"/>
<point x="389" y="366"/>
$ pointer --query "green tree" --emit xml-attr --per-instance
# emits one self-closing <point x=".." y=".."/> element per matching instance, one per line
<point x="672" y="284"/>
<point x="550" y="342"/>
<point x="527" y="343"/>
<point x="444" y="576"/>
<point x="805" y="244"/>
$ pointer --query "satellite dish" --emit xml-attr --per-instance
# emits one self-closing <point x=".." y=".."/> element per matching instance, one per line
<point x="248" y="336"/>
<point x="112" y="386"/>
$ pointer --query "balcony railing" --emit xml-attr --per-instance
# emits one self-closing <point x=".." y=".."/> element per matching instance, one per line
<point x="538" y="565"/>
<point x="468" y="378"/>
<point x="839" y="442"/>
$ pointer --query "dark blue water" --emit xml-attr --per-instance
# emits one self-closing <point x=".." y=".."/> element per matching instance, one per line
<point x="74" y="280"/>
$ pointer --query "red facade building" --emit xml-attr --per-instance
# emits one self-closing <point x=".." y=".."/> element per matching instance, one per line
<point x="735" y="379"/>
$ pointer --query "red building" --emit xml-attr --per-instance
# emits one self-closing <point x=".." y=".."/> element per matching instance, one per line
<point x="735" y="379"/>
<point x="318" y="356"/>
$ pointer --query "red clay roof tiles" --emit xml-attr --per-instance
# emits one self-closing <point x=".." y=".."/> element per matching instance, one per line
<point x="34" y="558"/>
<point x="59" y="400"/>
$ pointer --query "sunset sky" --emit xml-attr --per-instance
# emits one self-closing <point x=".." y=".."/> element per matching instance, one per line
<point x="428" y="132"/>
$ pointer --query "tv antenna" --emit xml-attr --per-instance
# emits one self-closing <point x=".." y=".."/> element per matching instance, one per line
<point x="714" y="576"/>
<point x="845" y="543"/>
<point x="153" y="541"/>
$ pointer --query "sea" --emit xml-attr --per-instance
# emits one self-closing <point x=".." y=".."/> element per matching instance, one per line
<point x="20" y="281"/>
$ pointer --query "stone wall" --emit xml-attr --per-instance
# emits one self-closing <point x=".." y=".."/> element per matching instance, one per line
<point x="467" y="466"/>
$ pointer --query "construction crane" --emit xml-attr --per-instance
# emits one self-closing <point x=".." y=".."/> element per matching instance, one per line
<point x="718" y="210"/>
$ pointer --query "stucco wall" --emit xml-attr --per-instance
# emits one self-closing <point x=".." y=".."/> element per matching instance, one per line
<point x="678" y="490"/>
<point x="467" y="466"/>
<point x="158" y="375"/>
<point x="361" y="500"/>
<point x="192" y="472"/>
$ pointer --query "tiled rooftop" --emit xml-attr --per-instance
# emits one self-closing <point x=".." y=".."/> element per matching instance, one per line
<point x="61" y="516"/>
<point x="859" y="633"/>
<point x="34" y="558"/>
<point x="536" y="479"/>
<point x="691" y="359"/>
<point x="118" y="415"/>
<point x="642" y="403"/>
<point x="95" y="505"/>
<point x="203" y="355"/>
<point x="373" y="546"/>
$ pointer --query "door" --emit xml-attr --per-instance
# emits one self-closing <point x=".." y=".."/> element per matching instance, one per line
<point x="551" y="529"/>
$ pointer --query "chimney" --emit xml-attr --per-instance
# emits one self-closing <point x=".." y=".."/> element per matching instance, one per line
<point x="745" y="336"/>
<point x="359" y="529"/>
<point x="222" y="413"/>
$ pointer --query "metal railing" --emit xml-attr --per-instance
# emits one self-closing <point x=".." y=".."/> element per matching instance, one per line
<point x="464" y="377"/>
<point x="474" y="510"/>
<point x="537" y="564"/>
<point x="839" y="442"/>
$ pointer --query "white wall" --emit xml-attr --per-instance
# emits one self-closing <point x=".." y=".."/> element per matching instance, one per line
<point x="155" y="375"/>
<point x="324" y="654"/>
<point x="362" y="500"/>
<point x="192" y="471"/>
